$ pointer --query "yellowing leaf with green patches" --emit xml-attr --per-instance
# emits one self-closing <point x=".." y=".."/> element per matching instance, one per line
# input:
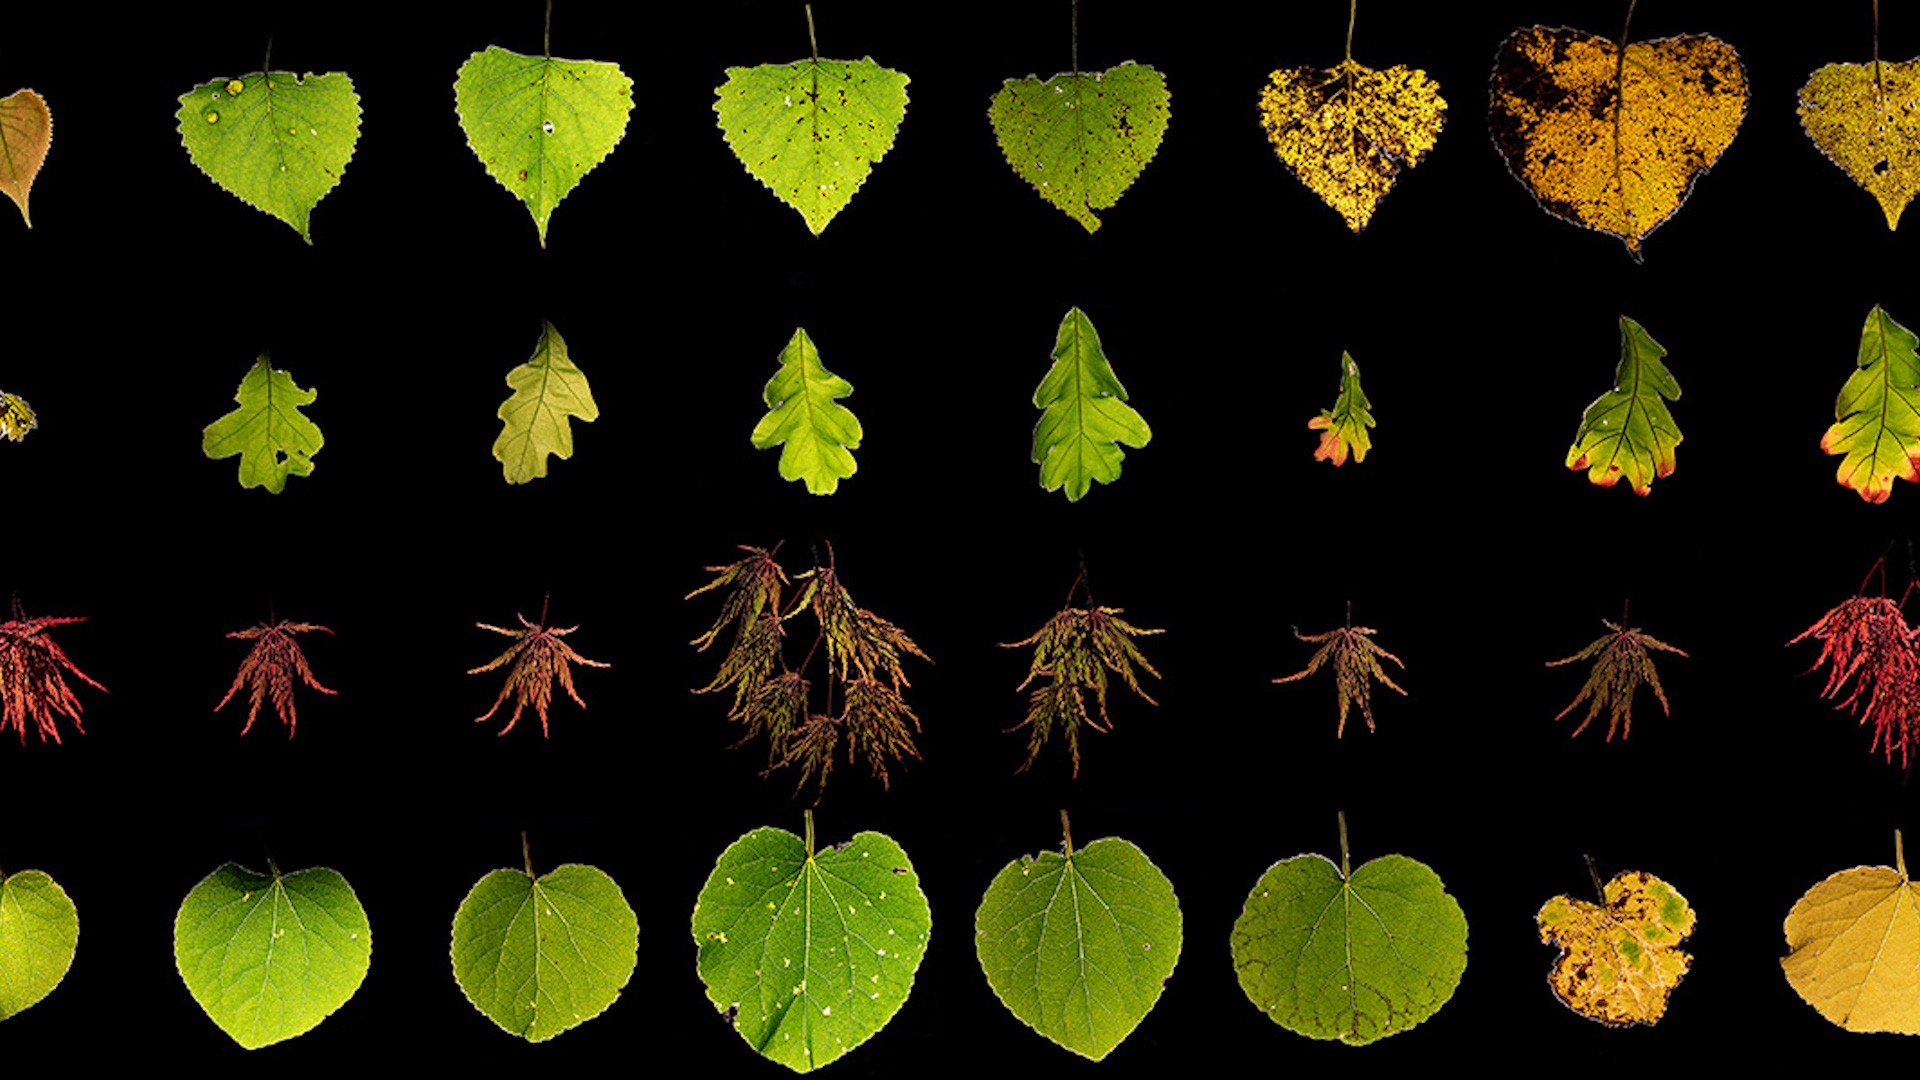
<point x="1344" y="427"/>
<point x="812" y="130"/>
<point x="39" y="930"/>
<point x="1876" y="425"/>
<point x="816" y="433"/>
<point x="1618" y="960"/>
<point x="1084" y="418"/>
<point x="1862" y="117"/>
<point x="277" y="140"/>
<point x="1347" y="132"/>
<point x="1627" y="433"/>
<point x="273" y="438"/>
<point x="1854" y="948"/>
<point x="16" y="417"/>
<point x="547" y="390"/>
<point x="540" y="124"/>
<point x="26" y="131"/>
<point x="1082" y="138"/>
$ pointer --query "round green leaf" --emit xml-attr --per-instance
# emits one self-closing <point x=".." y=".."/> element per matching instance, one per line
<point x="277" y="140"/>
<point x="811" y="130"/>
<point x="539" y="956"/>
<point x="269" y="956"/>
<point x="809" y="956"/>
<point x="39" y="929"/>
<point x="1078" y="946"/>
<point x="1353" y="959"/>
<point x="1081" y="138"/>
<point x="539" y="124"/>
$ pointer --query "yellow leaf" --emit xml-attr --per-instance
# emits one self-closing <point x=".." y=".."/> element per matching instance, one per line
<point x="1864" y="118"/>
<point x="1608" y="138"/>
<point x="1855" y="941"/>
<point x="1618" y="962"/>
<point x="26" y="130"/>
<point x="1347" y="131"/>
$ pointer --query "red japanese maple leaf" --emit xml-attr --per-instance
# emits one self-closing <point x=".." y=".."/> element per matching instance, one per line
<point x="1866" y="641"/>
<point x="270" y="668"/>
<point x="32" y="686"/>
<point x="539" y="659"/>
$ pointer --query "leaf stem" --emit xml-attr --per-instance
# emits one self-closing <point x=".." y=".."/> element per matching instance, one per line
<point x="815" y="46"/>
<point x="809" y="819"/>
<point x="1593" y="872"/>
<point x="526" y="852"/>
<point x="1066" y="832"/>
<point x="546" y="49"/>
<point x="1074" y="51"/>
<point x="1877" y="84"/>
<point x="1346" y="869"/>
<point x="1353" y="9"/>
<point x="1899" y="855"/>
<point x="266" y="62"/>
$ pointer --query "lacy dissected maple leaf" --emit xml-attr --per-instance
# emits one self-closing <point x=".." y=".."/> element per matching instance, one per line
<point x="1872" y="660"/>
<point x="1074" y="651"/>
<point x="539" y="660"/>
<point x="270" y="669"/>
<point x="33" y="670"/>
<point x="1623" y="664"/>
<point x="1356" y="666"/>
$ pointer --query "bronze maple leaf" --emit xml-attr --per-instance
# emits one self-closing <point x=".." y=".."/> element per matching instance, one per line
<point x="32" y="684"/>
<point x="270" y="669"/>
<point x="1622" y="666"/>
<point x="1074" y="651"/>
<point x="539" y="660"/>
<point x="1356" y="666"/>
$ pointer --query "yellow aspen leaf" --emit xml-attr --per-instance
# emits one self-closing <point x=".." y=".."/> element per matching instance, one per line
<point x="1347" y="131"/>
<point x="1611" y="135"/>
<point x="1864" y="117"/>
<point x="1855" y="948"/>
<point x="1618" y="960"/>
<point x="16" y="417"/>
<point x="26" y="130"/>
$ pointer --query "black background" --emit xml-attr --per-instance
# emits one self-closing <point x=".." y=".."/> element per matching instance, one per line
<point x="1224" y="293"/>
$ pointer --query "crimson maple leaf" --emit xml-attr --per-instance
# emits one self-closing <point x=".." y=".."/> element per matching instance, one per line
<point x="32" y="686"/>
<point x="539" y="659"/>
<point x="1866" y="641"/>
<point x="270" y="668"/>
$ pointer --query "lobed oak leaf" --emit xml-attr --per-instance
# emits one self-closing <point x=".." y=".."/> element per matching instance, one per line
<point x="33" y="670"/>
<point x="1622" y="666"/>
<point x="1343" y="428"/>
<point x="1627" y="433"/>
<point x="539" y="660"/>
<point x="1356" y="666"/>
<point x="1876" y="427"/>
<point x="270" y="669"/>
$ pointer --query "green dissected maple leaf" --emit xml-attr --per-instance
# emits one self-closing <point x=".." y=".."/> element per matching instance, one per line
<point x="32" y="684"/>
<point x="16" y="417"/>
<point x="1622" y="666"/>
<point x="1343" y="428"/>
<point x="270" y="669"/>
<point x="539" y="659"/>
<point x="1356" y="665"/>
<point x="1074" y="650"/>
<point x="863" y="654"/>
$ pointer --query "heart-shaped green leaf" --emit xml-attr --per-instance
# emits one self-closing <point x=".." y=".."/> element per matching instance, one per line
<point x="540" y="955"/>
<point x="39" y="930"/>
<point x="277" y="140"/>
<point x="1082" y="138"/>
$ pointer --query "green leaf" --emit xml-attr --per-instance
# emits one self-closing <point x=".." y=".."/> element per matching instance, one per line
<point x="1353" y="958"/>
<point x="1082" y="138"/>
<point x="1078" y="945"/>
<point x="39" y="929"/>
<point x="1628" y="431"/>
<point x="819" y="432"/>
<point x="1877" y="417"/>
<point x="811" y="130"/>
<point x="268" y="431"/>
<point x="539" y="124"/>
<point x="1085" y="417"/>
<point x="539" y="956"/>
<point x="808" y="955"/>
<point x="269" y="956"/>
<point x="1344" y="427"/>
<point x="546" y="390"/>
<point x="277" y="140"/>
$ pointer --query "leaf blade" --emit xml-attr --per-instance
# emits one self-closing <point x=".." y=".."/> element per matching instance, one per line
<point x="1876" y="428"/>
<point x="1628" y="432"/>
<point x="1852" y="114"/>
<point x="1085" y="418"/>
<point x="39" y="931"/>
<point x="26" y="133"/>
<point x="817" y="435"/>
<point x="277" y="141"/>
<point x="547" y="390"/>
<point x="1347" y="132"/>
<point x="1344" y="427"/>
<point x="273" y="439"/>
<point x="1082" y="138"/>
<point x="570" y="934"/>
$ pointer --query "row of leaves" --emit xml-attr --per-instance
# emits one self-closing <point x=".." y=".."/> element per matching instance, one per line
<point x="1086" y="422"/>
<point x="808" y="952"/>
<point x="1606" y="134"/>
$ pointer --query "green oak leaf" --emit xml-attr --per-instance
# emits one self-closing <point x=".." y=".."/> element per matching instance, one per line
<point x="539" y="124"/>
<point x="1627" y="431"/>
<point x="277" y="140"/>
<point x="540" y="955"/>
<point x="1082" y="138"/>
<point x="547" y="389"/>
<point x="1078" y="945"/>
<point x="39" y="929"/>
<point x="1085" y="414"/>
<point x="1353" y="957"/>
<point x="811" y="130"/>
<point x="269" y="956"/>
<point x="268" y="431"/>
<point x="1877" y="416"/>
<point x="820" y="433"/>
<point x="1343" y="428"/>
<point x="809" y="954"/>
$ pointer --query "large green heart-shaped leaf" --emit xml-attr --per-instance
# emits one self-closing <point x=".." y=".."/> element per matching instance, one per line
<point x="1081" y="138"/>
<point x="540" y="955"/>
<point x="269" y="956"/>
<point x="277" y="140"/>
<point x="809" y="954"/>
<point x="39" y="930"/>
